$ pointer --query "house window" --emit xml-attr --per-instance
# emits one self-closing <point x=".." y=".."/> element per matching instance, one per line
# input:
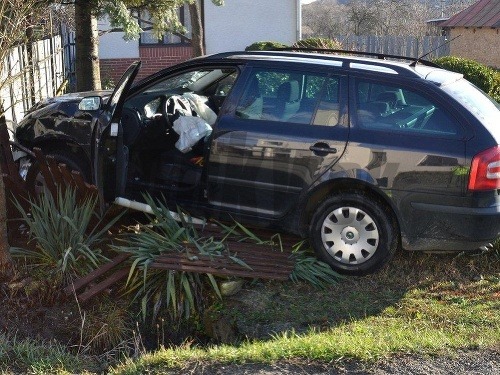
<point x="148" y="38"/>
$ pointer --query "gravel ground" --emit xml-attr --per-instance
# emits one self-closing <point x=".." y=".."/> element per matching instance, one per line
<point x="480" y="362"/>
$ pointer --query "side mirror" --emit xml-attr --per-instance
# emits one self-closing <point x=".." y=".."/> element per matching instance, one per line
<point x="90" y="103"/>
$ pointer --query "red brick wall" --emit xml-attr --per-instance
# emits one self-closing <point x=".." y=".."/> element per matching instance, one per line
<point x="153" y="58"/>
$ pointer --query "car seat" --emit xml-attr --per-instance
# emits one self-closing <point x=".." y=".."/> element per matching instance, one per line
<point x="251" y="104"/>
<point x="288" y="102"/>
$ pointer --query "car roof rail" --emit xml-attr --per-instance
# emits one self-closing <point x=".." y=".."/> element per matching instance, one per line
<point x="381" y="56"/>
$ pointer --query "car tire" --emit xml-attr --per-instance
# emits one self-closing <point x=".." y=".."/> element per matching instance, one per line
<point x="353" y="233"/>
<point x="34" y="179"/>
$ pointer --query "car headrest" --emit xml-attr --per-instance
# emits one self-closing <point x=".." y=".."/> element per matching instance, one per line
<point x="388" y="96"/>
<point x="289" y="91"/>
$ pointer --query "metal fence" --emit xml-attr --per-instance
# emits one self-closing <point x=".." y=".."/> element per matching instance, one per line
<point x="35" y="71"/>
<point x="408" y="46"/>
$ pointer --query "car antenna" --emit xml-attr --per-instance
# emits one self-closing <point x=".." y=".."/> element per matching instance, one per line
<point x="414" y="63"/>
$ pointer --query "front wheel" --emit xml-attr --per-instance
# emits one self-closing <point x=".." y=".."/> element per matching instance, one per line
<point x="353" y="233"/>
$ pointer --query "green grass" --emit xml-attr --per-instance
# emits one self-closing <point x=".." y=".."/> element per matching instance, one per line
<point x="33" y="357"/>
<point x="425" y="304"/>
<point x="420" y="304"/>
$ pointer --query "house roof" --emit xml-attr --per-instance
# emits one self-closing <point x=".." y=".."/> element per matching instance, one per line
<point x="484" y="13"/>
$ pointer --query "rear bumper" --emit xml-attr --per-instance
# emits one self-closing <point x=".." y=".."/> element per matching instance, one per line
<point x="446" y="228"/>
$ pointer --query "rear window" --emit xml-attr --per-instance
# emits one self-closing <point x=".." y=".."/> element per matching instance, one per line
<point x="475" y="101"/>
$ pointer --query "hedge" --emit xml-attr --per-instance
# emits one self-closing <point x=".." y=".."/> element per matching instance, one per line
<point x="487" y="79"/>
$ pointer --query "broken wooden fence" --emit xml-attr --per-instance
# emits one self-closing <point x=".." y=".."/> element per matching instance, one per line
<point x="264" y="261"/>
<point x="56" y="177"/>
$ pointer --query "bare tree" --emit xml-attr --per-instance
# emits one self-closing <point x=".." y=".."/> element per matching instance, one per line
<point x="329" y="18"/>
<point x="362" y="16"/>
<point x="325" y="19"/>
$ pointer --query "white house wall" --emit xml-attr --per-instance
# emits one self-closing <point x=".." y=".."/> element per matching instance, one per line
<point x="113" y="46"/>
<point x="240" y="23"/>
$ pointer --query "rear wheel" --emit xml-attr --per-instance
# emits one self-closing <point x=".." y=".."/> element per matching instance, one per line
<point x="34" y="178"/>
<point x="353" y="233"/>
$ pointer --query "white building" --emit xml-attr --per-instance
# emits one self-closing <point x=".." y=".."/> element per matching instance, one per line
<point x="240" y="23"/>
<point x="231" y="27"/>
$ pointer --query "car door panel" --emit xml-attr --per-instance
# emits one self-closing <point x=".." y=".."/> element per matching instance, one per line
<point x="260" y="166"/>
<point x="108" y="151"/>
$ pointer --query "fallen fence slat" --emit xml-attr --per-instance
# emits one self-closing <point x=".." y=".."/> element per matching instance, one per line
<point x="261" y="260"/>
<point x="224" y="262"/>
<point x="103" y="285"/>
<point x="219" y="272"/>
<point x="45" y="171"/>
<point x="80" y="283"/>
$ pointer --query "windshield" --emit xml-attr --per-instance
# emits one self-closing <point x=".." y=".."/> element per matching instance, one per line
<point x="476" y="101"/>
<point x="180" y="82"/>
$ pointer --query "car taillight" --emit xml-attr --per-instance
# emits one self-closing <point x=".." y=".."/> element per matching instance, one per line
<point x="485" y="170"/>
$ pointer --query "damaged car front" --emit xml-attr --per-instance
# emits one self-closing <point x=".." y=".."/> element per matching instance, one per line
<point x="61" y="127"/>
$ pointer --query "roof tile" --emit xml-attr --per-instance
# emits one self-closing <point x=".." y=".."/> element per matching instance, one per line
<point x="484" y="13"/>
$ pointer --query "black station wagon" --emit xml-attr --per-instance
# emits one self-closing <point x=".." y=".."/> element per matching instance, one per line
<point x="361" y="155"/>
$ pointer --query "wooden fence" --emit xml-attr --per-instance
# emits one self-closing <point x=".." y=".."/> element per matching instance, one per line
<point x="35" y="71"/>
<point x="409" y="46"/>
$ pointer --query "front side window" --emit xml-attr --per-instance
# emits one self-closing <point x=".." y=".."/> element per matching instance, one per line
<point x="398" y="108"/>
<point x="290" y="96"/>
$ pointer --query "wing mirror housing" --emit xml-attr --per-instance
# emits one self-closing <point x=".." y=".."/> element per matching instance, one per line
<point x="90" y="103"/>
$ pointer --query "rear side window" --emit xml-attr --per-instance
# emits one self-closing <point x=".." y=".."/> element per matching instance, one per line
<point x="398" y="108"/>
<point x="291" y="97"/>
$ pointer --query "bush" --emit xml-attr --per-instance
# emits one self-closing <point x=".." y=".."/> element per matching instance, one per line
<point x="265" y="46"/>
<point x="66" y="237"/>
<point x="180" y="293"/>
<point x="323" y="43"/>
<point x="487" y="79"/>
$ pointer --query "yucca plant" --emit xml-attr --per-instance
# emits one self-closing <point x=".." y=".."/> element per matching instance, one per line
<point x="66" y="242"/>
<point x="309" y="269"/>
<point x="182" y="294"/>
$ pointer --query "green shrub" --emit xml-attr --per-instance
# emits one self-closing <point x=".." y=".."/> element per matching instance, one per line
<point x="487" y="79"/>
<point x="495" y="87"/>
<point x="182" y="294"/>
<point x="323" y="43"/>
<point x="265" y="46"/>
<point x="66" y="241"/>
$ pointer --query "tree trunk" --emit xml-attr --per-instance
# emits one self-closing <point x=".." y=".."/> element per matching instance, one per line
<point x="6" y="265"/>
<point x="196" y="29"/>
<point x="87" y="47"/>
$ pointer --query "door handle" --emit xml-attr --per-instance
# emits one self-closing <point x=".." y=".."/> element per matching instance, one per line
<point x="322" y="149"/>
